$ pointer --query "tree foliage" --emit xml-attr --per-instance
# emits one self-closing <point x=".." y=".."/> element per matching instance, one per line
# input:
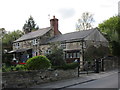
<point x="7" y="41"/>
<point x="9" y="37"/>
<point x="94" y="53"/>
<point x="56" y="55"/>
<point x="111" y="29"/>
<point x="85" y="22"/>
<point x="30" y="25"/>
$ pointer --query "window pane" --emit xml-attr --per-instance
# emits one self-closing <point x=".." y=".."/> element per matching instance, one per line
<point x="67" y="55"/>
<point x="70" y="55"/>
<point x="78" y="55"/>
<point x="74" y="55"/>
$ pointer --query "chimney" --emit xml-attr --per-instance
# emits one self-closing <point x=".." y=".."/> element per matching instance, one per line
<point x="54" y="24"/>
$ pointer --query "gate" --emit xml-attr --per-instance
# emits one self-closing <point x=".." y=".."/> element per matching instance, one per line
<point x="91" y="67"/>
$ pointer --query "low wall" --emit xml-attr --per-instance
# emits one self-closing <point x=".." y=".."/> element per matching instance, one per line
<point x="26" y="79"/>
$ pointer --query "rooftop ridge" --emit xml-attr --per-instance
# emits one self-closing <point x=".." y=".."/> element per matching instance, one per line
<point x="80" y="31"/>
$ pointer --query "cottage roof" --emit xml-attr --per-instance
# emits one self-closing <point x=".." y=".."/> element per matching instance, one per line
<point x="72" y="36"/>
<point x="34" y="34"/>
<point x="91" y="34"/>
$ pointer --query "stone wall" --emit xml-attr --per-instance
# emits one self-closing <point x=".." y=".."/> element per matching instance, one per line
<point x="26" y="79"/>
<point x="73" y="45"/>
<point x="110" y="63"/>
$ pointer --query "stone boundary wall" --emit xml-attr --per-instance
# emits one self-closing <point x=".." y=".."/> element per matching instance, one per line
<point x="110" y="64"/>
<point x="26" y="79"/>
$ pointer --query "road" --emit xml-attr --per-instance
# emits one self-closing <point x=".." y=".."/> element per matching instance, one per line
<point x="110" y="81"/>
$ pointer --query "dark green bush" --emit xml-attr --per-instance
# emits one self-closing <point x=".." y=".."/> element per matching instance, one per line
<point x="37" y="63"/>
<point x="70" y="65"/>
<point x="67" y="66"/>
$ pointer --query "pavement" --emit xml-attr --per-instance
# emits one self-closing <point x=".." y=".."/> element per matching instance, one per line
<point x="83" y="78"/>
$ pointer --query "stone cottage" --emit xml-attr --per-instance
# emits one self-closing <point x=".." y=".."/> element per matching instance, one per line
<point x="73" y="44"/>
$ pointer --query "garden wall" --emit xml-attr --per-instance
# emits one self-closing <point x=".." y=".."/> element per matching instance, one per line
<point x="26" y="79"/>
<point x="110" y="63"/>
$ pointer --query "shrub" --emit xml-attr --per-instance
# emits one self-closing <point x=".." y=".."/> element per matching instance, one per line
<point x="67" y="66"/>
<point x="20" y="67"/>
<point x="6" y="68"/>
<point x="13" y="68"/>
<point x="37" y="63"/>
<point x="71" y="65"/>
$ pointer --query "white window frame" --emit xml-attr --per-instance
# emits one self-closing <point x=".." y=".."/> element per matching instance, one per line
<point x="35" y="42"/>
<point x="17" y="45"/>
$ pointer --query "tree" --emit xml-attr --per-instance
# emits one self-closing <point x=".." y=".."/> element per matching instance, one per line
<point x="7" y="41"/>
<point x="9" y="37"/>
<point x="30" y="25"/>
<point x="93" y="52"/>
<point x="56" y="55"/>
<point x="85" y="22"/>
<point x="111" y="29"/>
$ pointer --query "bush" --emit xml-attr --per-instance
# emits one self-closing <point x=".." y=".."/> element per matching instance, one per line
<point x="37" y="63"/>
<point x="67" y="66"/>
<point x="13" y="68"/>
<point x="71" y="65"/>
<point x="20" y="67"/>
<point x="6" y="68"/>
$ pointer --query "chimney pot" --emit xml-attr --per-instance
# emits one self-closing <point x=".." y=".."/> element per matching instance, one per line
<point x="53" y="17"/>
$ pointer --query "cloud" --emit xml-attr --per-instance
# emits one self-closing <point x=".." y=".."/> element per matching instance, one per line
<point x="66" y="12"/>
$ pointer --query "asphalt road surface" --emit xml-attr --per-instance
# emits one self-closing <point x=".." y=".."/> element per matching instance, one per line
<point x="110" y="81"/>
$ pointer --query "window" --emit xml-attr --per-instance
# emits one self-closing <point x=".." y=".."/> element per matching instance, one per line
<point x="74" y="55"/>
<point x="17" y="45"/>
<point x="48" y="51"/>
<point x="78" y="55"/>
<point x="67" y="55"/>
<point x="70" y="55"/>
<point x="14" y="44"/>
<point x="35" y="41"/>
<point x="63" y="45"/>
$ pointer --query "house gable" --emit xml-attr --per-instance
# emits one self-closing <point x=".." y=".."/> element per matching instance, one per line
<point x="96" y="38"/>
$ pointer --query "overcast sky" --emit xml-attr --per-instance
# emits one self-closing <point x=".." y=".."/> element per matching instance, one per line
<point x="14" y="13"/>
